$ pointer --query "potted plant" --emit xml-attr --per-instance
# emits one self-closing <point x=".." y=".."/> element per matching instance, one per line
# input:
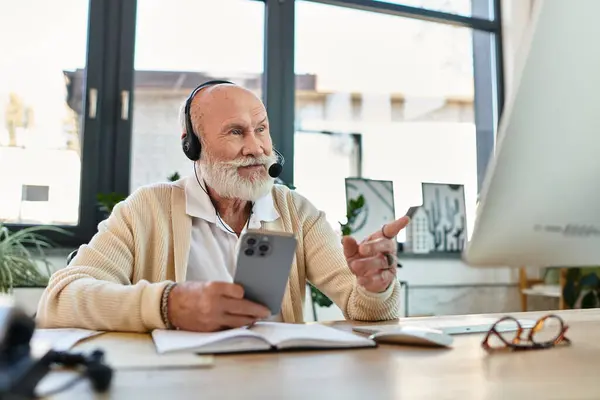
<point x="353" y="209"/>
<point x="21" y="253"/>
<point x="107" y="201"/>
<point x="24" y="269"/>
<point x="582" y="288"/>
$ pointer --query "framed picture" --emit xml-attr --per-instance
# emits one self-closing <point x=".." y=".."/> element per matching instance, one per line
<point x="378" y="208"/>
<point x="418" y="238"/>
<point x="444" y="216"/>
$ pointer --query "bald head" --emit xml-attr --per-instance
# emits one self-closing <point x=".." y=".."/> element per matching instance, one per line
<point x="222" y="101"/>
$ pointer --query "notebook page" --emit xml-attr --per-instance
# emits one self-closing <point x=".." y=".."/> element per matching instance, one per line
<point x="128" y="350"/>
<point x="284" y="335"/>
<point x="172" y="340"/>
<point x="58" y="339"/>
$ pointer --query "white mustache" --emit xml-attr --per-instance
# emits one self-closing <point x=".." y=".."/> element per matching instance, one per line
<point x="248" y="161"/>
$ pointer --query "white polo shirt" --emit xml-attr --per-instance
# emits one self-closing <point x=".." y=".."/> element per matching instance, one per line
<point x="213" y="249"/>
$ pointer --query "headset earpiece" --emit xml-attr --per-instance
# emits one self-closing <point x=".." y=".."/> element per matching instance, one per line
<point x="190" y="143"/>
<point x="191" y="146"/>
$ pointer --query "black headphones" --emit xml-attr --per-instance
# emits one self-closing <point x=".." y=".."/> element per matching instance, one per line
<point x="21" y="372"/>
<point x="91" y="366"/>
<point x="190" y="143"/>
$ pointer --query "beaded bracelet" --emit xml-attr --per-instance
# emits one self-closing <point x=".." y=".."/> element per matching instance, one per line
<point x="164" y="305"/>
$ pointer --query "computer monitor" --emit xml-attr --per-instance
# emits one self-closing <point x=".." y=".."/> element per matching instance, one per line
<point x="540" y="201"/>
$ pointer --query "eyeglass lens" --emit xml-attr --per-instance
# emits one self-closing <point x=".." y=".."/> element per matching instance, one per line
<point x="546" y="330"/>
<point x="507" y="332"/>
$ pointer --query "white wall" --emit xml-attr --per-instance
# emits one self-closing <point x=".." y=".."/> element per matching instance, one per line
<point x="452" y="272"/>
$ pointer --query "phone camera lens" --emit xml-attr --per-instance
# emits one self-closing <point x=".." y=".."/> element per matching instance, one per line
<point x="249" y="252"/>
<point x="263" y="248"/>
<point x="251" y="241"/>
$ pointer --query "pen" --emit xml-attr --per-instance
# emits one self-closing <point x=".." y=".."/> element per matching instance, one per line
<point x="250" y="325"/>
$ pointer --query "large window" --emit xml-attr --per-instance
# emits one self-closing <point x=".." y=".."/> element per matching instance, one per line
<point x="210" y="40"/>
<point x="40" y="131"/>
<point x="321" y="176"/>
<point x="390" y="90"/>
<point x="406" y="86"/>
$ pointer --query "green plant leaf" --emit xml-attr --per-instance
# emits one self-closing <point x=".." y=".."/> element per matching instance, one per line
<point x="174" y="177"/>
<point x="570" y="293"/>
<point x="319" y="298"/>
<point x="21" y="254"/>
<point x="573" y="274"/>
<point x="353" y="209"/>
<point x="107" y="201"/>
<point x="589" y="280"/>
<point x="590" y="300"/>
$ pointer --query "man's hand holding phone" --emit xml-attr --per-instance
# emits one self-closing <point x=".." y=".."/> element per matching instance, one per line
<point x="212" y="306"/>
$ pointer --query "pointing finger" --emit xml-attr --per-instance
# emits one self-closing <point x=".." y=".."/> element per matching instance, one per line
<point x="350" y="246"/>
<point x="392" y="229"/>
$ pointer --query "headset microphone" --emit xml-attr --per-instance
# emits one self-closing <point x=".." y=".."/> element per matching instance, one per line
<point x="276" y="168"/>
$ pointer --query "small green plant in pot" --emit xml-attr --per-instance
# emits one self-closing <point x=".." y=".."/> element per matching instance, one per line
<point x="353" y="209"/>
<point x="582" y="288"/>
<point x="20" y="255"/>
<point x="108" y="201"/>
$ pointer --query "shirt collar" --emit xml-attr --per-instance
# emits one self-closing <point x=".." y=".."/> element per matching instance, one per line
<point x="198" y="204"/>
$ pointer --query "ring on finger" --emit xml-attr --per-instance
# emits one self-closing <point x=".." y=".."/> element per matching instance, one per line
<point x="383" y="233"/>
<point x="390" y="259"/>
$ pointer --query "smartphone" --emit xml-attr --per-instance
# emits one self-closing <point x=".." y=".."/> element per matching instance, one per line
<point x="263" y="266"/>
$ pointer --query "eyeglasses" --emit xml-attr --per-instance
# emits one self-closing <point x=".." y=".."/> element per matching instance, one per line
<point x="508" y="333"/>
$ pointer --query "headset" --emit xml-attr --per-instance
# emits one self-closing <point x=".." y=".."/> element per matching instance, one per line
<point x="190" y="142"/>
<point x="20" y="372"/>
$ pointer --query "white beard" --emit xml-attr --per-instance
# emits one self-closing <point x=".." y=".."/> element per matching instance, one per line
<point x="224" y="179"/>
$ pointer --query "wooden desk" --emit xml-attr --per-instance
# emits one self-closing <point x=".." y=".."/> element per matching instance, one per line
<point x="387" y="372"/>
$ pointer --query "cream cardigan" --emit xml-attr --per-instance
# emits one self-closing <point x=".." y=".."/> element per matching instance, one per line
<point x="116" y="281"/>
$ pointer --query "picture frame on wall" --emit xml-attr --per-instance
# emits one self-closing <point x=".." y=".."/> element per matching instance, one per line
<point x="378" y="206"/>
<point x="440" y="223"/>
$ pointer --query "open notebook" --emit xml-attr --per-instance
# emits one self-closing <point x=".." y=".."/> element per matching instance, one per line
<point x="263" y="336"/>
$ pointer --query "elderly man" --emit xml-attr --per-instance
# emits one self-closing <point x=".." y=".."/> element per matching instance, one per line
<point x="165" y="256"/>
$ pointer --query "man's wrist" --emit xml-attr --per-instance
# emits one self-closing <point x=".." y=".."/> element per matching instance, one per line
<point x="378" y="295"/>
<point x="164" y="305"/>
